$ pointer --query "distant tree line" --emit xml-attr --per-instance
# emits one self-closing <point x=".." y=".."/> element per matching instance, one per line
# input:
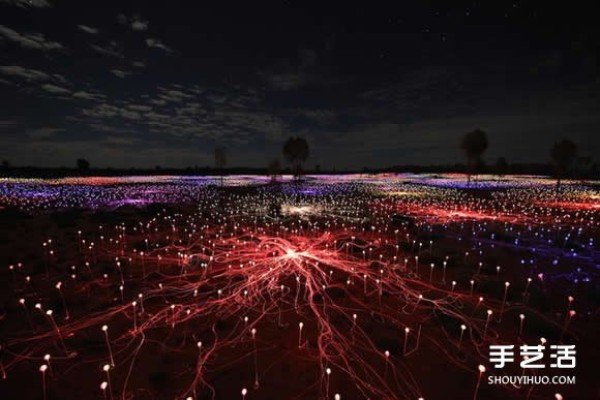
<point x="564" y="156"/>
<point x="563" y="153"/>
<point x="295" y="150"/>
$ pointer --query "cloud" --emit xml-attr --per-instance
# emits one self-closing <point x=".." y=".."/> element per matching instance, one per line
<point x="25" y="73"/>
<point x="181" y="113"/>
<point x="120" y="73"/>
<point x="27" y="3"/>
<point x="158" y="102"/>
<point x="173" y="95"/>
<point x="88" y="29"/>
<point x="111" y="49"/>
<point x="82" y="95"/>
<point x="138" y="24"/>
<point x="48" y="82"/>
<point x="30" y="40"/>
<point x="128" y="114"/>
<point x="139" y="107"/>
<point x="157" y="44"/>
<point x="102" y="110"/>
<point x="55" y="89"/>
<point x="54" y="82"/>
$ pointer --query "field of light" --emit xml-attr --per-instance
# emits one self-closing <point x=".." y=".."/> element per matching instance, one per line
<point x="337" y="287"/>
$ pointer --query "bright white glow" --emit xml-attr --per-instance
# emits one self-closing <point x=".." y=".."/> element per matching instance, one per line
<point x="290" y="253"/>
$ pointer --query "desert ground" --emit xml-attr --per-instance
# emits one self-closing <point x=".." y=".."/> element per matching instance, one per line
<point x="339" y="286"/>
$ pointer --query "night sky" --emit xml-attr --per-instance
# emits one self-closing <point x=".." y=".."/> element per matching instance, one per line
<point x="140" y="84"/>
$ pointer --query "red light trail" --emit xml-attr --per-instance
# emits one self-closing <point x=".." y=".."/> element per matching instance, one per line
<point x="342" y="296"/>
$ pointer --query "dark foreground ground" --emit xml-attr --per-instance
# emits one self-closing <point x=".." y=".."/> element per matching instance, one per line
<point x="295" y="293"/>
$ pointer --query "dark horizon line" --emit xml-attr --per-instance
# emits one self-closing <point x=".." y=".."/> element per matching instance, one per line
<point x="515" y="168"/>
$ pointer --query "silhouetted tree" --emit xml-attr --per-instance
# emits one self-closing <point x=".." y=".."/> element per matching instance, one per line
<point x="563" y="153"/>
<point x="83" y="165"/>
<point x="295" y="151"/>
<point x="501" y="166"/>
<point x="220" y="161"/>
<point x="474" y="144"/>
<point x="274" y="169"/>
